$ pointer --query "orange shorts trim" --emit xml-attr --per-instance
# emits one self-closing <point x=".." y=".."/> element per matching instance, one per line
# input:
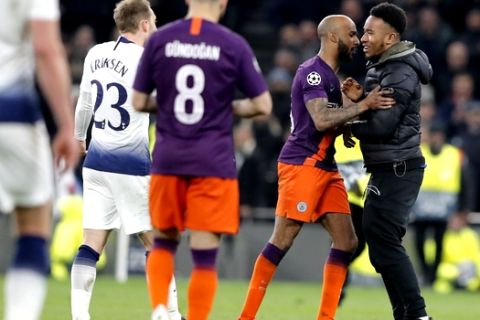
<point x="306" y="193"/>
<point x="194" y="203"/>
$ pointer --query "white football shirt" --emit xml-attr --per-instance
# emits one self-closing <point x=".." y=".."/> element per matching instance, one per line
<point x="17" y="62"/>
<point x="119" y="141"/>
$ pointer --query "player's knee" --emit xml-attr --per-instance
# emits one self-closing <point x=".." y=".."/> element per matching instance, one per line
<point x="348" y="243"/>
<point x="344" y="240"/>
<point x="284" y="235"/>
<point x="203" y="239"/>
<point x="283" y="242"/>
<point x="146" y="238"/>
<point x="352" y="243"/>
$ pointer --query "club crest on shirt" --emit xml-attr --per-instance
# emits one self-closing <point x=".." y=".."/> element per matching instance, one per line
<point x="314" y="78"/>
<point x="302" y="206"/>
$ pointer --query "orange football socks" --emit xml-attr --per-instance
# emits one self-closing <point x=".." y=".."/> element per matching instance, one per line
<point x="263" y="272"/>
<point x="334" y="275"/>
<point x="160" y="266"/>
<point x="203" y="284"/>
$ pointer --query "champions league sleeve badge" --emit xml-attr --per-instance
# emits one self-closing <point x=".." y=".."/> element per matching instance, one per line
<point x="313" y="78"/>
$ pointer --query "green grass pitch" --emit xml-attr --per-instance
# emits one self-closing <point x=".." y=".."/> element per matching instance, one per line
<point x="284" y="301"/>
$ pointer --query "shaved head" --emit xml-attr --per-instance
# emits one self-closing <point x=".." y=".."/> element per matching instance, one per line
<point x="338" y="35"/>
<point x="332" y="23"/>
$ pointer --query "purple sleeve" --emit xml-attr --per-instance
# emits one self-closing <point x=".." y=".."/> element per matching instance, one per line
<point x="251" y="81"/>
<point x="312" y="85"/>
<point x="144" y="77"/>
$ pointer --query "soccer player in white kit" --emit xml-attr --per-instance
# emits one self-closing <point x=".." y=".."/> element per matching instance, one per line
<point x="117" y="165"/>
<point x="29" y="39"/>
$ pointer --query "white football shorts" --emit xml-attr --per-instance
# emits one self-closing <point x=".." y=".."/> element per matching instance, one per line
<point x="112" y="200"/>
<point x="26" y="167"/>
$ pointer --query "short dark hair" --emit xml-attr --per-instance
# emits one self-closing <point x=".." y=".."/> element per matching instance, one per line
<point x="391" y="14"/>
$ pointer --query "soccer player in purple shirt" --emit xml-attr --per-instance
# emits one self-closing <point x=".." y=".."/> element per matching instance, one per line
<point x="195" y="66"/>
<point x="310" y="188"/>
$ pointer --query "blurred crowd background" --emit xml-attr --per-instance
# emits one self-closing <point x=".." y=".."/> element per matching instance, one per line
<point x="283" y="34"/>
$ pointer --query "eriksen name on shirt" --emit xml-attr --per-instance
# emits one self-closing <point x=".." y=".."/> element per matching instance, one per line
<point x="109" y="63"/>
<point x="202" y="51"/>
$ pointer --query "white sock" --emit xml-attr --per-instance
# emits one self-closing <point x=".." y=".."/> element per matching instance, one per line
<point x="160" y="313"/>
<point x="25" y="292"/>
<point x="83" y="279"/>
<point x="172" y="304"/>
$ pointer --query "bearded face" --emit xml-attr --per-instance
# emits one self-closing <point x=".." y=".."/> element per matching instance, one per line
<point x="345" y="53"/>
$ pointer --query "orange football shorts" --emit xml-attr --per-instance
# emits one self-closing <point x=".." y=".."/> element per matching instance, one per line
<point x="306" y="193"/>
<point x="194" y="203"/>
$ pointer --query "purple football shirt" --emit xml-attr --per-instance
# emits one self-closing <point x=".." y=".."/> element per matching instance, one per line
<point x="306" y="145"/>
<point x="196" y="66"/>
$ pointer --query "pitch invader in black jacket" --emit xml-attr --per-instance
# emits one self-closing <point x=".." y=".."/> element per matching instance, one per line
<point x="390" y="143"/>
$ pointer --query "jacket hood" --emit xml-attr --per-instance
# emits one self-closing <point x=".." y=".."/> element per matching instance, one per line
<point x="407" y="52"/>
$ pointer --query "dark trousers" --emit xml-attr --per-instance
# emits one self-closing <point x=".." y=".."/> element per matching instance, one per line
<point x="421" y="227"/>
<point x="390" y="197"/>
<point x="357" y="218"/>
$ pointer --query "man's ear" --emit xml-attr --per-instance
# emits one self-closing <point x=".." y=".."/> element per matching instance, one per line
<point x="145" y="25"/>
<point x="391" y="37"/>
<point x="333" y="37"/>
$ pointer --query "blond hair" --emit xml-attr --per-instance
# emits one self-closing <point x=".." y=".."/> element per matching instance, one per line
<point x="129" y="13"/>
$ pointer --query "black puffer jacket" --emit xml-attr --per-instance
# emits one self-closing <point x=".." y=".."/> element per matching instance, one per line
<point x="393" y="134"/>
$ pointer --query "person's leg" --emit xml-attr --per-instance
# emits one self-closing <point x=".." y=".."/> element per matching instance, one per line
<point x="84" y="272"/>
<point x="357" y="216"/>
<point x="212" y="209"/>
<point x="420" y="228"/>
<point x="386" y="217"/>
<point x="26" y="283"/>
<point x="344" y="243"/>
<point x="284" y="234"/>
<point x="26" y="189"/>
<point x="160" y="268"/>
<point x="146" y="238"/>
<point x="99" y="216"/>
<point x="167" y="207"/>
<point x="370" y="217"/>
<point x="439" y="231"/>
<point x="204" y="279"/>
<point x="396" y="301"/>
